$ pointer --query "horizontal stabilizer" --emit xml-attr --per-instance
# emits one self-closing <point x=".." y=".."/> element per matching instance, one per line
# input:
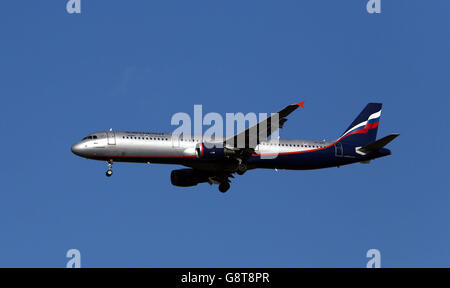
<point x="377" y="145"/>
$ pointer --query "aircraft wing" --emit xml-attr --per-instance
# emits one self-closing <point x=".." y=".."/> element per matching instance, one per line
<point x="251" y="137"/>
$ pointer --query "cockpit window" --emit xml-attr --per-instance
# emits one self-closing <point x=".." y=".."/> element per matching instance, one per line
<point x="90" y="137"/>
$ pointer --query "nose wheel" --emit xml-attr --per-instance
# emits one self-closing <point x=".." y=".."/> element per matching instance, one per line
<point x="109" y="172"/>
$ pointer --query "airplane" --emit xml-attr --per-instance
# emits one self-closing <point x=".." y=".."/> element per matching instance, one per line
<point x="217" y="162"/>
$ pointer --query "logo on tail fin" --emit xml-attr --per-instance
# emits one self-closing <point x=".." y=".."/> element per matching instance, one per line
<point x="363" y="127"/>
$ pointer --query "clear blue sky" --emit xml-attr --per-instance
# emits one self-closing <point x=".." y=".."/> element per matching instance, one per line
<point x="133" y="64"/>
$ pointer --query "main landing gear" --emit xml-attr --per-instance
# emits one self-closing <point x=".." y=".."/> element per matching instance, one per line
<point x="224" y="186"/>
<point x="109" y="172"/>
<point x="241" y="167"/>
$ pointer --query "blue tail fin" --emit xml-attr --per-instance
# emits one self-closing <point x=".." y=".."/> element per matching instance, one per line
<point x="364" y="129"/>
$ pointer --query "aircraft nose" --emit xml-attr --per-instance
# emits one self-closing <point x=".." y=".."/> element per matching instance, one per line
<point x="76" y="149"/>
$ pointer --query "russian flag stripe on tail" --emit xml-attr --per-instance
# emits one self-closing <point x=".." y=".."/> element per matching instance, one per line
<point x="363" y="129"/>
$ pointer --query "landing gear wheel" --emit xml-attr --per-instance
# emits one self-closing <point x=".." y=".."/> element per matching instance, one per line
<point x="223" y="187"/>
<point x="109" y="171"/>
<point x="241" y="169"/>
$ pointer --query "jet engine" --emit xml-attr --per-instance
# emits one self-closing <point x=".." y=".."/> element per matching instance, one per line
<point x="187" y="177"/>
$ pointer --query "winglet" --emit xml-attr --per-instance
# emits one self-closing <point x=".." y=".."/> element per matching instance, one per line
<point x="301" y="104"/>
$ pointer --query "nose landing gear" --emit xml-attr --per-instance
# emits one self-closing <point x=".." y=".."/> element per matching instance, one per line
<point x="109" y="172"/>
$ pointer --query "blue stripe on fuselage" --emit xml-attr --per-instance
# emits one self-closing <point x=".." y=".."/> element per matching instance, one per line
<point x="321" y="158"/>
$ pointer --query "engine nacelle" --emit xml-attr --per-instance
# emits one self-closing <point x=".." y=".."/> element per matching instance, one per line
<point x="187" y="177"/>
<point x="210" y="150"/>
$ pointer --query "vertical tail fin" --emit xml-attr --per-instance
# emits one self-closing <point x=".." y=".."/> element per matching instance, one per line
<point x="363" y="129"/>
